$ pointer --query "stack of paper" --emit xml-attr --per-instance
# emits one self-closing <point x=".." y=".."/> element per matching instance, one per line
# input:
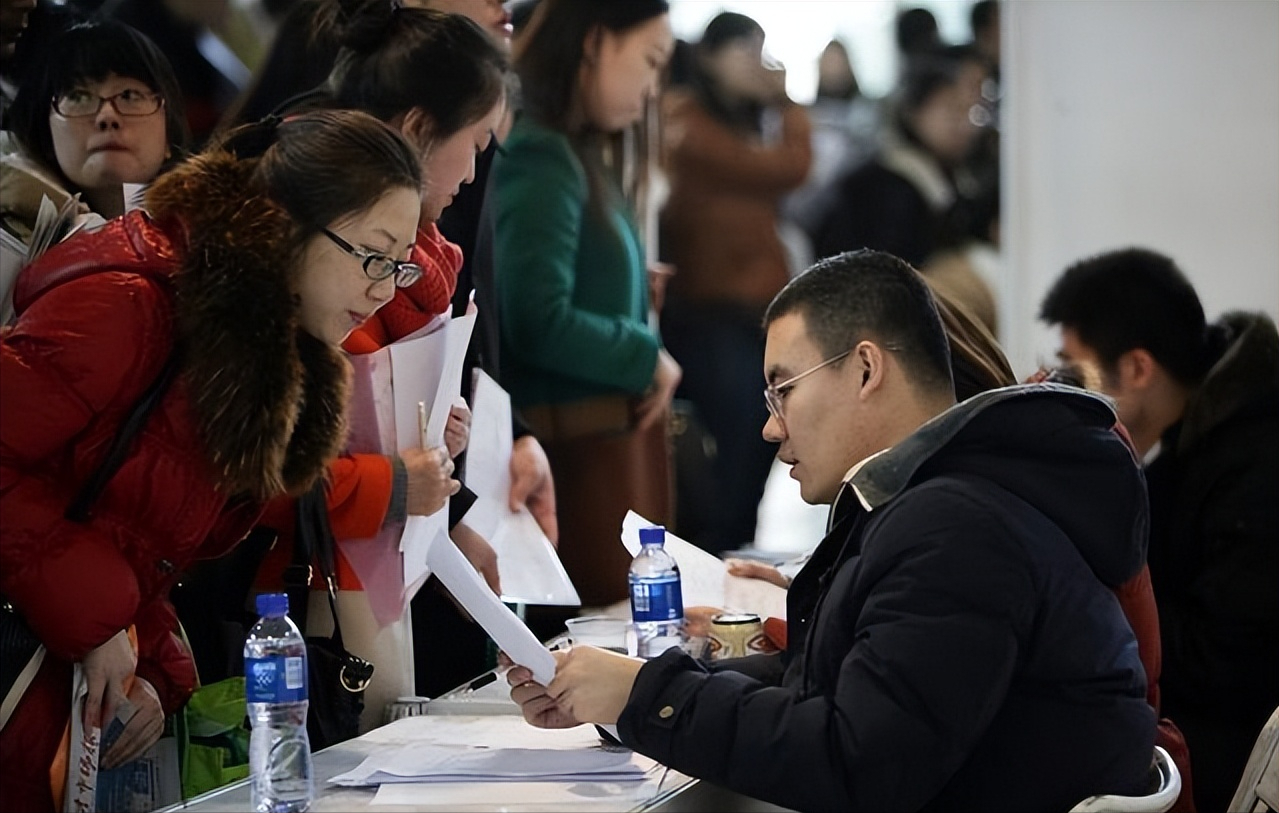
<point x="527" y="562"/>
<point x="425" y="762"/>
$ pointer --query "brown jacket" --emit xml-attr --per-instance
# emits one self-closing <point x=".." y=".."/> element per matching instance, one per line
<point x="720" y="222"/>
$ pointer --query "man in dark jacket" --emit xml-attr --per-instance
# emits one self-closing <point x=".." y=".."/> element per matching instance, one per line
<point x="954" y="641"/>
<point x="1202" y="404"/>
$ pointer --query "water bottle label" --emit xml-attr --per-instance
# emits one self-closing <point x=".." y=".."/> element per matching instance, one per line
<point x="656" y="600"/>
<point x="275" y="679"/>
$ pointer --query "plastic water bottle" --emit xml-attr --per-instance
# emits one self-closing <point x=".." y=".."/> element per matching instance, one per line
<point x="657" y="602"/>
<point x="280" y="774"/>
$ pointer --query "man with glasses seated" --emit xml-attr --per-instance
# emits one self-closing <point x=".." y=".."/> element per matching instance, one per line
<point x="954" y="642"/>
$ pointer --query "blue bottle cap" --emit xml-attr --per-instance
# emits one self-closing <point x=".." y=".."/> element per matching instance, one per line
<point x="273" y="605"/>
<point x="653" y="535"/>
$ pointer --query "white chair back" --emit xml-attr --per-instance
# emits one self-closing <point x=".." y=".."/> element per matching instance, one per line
<point x="1165" y="780"/>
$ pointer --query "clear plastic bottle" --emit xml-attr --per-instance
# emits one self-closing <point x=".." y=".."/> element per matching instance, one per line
<point x="280" y="774"/>
<point x="657" y="601"/>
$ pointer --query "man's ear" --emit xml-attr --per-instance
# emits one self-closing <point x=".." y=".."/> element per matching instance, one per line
<point x="591" y="47"/>
<point x="1137" y="369"/>
<point x="870" y="360"/>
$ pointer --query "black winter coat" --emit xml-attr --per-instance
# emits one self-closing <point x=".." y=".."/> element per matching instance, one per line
<point x="1214" y="558"/>
<point x="955" y="641"/>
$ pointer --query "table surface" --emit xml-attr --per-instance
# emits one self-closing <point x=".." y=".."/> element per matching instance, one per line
<point x="488" y="706"/>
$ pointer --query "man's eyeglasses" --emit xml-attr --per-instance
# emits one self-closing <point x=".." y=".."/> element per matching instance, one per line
<point x="775" y="393"/>
<point x="80" y="103"/>
<point x="378" y="267"/>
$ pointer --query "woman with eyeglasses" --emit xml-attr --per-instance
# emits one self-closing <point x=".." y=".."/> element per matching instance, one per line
<point x="439" y="80"/>
<point x="230" y="297"/>
<point x="100" y="110"/>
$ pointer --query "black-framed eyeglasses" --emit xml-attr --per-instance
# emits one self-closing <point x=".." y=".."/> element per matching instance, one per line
<point x="79" y="103"/>
<point x="378" y="267"/>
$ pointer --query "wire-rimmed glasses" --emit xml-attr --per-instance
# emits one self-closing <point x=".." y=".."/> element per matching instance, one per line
<point x="378" y="267"/>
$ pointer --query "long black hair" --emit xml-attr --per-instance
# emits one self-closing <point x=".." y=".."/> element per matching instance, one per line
<point x="91" y="51"/>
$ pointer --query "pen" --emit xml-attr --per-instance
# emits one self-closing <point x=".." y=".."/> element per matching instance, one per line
<point x="421" y="423"/>
<point x="480" y="682"/>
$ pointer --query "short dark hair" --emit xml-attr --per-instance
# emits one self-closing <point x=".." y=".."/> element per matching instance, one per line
<point x="873" y="295"/>
<point x="1132" y="298"/>
<point x="90" y="51"/>
<point x="325" y="165"/>
<point x="728" y="27"/>
<point x="395" y="59"/>
<point x="916" y="31"/>
<point x="983" y="14"/>
<point x="550" y="61"/>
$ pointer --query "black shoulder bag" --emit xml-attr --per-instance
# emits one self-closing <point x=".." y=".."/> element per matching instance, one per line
<point x="21" y="652"/>
<point x="336" y="679"/>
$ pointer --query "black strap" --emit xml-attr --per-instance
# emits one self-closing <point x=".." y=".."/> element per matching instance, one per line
<point x="312" y="542"/>
<point x="82" y="505"/>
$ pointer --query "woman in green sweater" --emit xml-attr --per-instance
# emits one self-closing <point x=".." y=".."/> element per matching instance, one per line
<point x="588" y="374"/>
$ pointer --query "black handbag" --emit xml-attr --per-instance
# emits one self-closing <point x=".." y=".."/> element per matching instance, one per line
<point x="21" y="652"/>
<point x="336" y="678"/>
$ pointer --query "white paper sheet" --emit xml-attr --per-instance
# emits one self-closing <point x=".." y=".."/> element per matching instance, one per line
<point x="468" y="587"/>
<point x="426" y="762"/>
<point x="704" y="577"/>
<point x="530" y="568"/>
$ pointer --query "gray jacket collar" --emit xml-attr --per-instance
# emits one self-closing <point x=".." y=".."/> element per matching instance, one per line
<point x="881" y="477"/>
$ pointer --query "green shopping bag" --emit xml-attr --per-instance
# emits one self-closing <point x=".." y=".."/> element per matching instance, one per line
<point x="213" y="737"/>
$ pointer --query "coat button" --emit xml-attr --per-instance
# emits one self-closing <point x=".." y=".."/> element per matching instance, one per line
<point x="666" y="712"/>
<point x="164" y="566"/>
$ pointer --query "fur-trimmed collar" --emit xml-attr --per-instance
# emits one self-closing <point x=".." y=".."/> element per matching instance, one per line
<point x="1246" y="374"/>
<point x="268" y="398"/>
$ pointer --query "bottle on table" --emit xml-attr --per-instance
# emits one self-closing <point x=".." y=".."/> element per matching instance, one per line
<point x="280" y="775"/>
<point x="657" y="602"/>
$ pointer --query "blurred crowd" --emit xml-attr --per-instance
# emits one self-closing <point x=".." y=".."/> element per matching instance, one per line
<point x="243" y="199"/>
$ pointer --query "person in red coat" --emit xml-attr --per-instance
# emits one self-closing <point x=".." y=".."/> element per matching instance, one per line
<point x="242" y="274"/>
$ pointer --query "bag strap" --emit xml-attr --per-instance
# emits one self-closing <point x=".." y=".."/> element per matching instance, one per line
<point x="82" y="505"/>
<point x="313" y="542"/>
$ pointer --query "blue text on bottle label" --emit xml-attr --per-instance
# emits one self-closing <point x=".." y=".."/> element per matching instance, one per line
<point x="656" y="599"/>
<point x="275" y="679"/>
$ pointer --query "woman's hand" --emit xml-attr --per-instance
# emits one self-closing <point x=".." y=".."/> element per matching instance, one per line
<point x="457" y="431"/>
<point x="141" y="730"/>
<point x="430" y="481"/>
<point x="532" y="485"/>
<point x="105" y="670"/>
<point x="479" y="553"/>
<point x="655" y="404"/>
<point x="658" y="275"/>
<point x="757" y="570"/>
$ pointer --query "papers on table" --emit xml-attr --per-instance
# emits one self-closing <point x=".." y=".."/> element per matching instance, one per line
<point x="426" y="762"/>
<point x="704" y="578"/>
<point x="511" y="748"/>
<point x="530" y="568"/>
<point x="468" y="587"/>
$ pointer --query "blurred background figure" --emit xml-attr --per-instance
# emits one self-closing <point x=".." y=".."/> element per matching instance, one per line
<point x="199" y="37"/>
<point x="98" y="110"/>
<point x="578" y="355"/>
<point x="13" y="19"/>
<point x="917" y="36"/>
<point x="915" y="197"/>
<point x="845" y="126"/>
<point x="719" y="229"/>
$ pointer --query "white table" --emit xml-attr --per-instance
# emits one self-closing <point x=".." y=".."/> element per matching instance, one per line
<point x="662" y="790"/>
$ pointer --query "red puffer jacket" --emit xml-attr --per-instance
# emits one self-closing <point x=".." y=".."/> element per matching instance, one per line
<point x="97" y="318"/>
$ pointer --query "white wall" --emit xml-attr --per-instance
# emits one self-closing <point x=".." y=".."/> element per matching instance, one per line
<point x="1149" y="123"/>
